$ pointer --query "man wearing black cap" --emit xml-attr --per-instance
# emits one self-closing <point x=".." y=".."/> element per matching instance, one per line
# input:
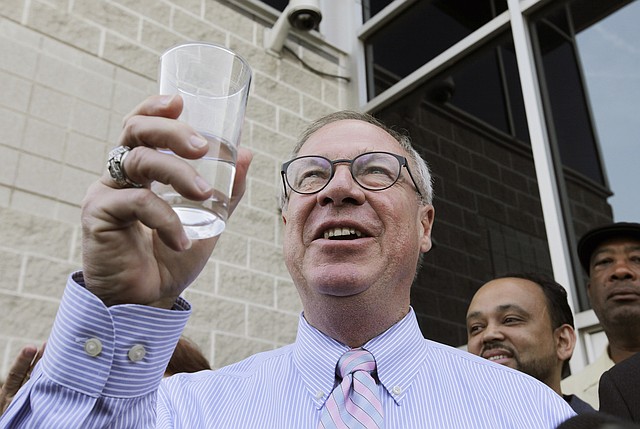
<point x="611" y="256"/>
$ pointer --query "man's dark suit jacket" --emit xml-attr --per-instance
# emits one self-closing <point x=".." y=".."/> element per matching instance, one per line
<point x="619" y="389"/>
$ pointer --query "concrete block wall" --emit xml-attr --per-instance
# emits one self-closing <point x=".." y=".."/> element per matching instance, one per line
<point x="70" y="71"/>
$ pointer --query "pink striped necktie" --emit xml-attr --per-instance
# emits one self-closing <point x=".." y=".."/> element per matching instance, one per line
<point x="354" y="403"/>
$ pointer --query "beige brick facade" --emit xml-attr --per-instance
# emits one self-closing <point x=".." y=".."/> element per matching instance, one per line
<point x="70" y="71"/>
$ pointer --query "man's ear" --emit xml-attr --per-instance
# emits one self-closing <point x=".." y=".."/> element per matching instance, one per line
<point x="282" y="211"/>
<point x="565" y="340"/>
<point x="427" y="215"/>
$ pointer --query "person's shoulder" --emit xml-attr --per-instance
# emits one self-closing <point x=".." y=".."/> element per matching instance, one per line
<point x="462" y="357"/>
<point x="455" y="356"/>
<point x="629" y="365"/>
<point x="624" y="375"/>
<point x="462" y="360"/>
<point x="578" y="405"/>
<point x="491" y="383"/>
<point x="270" y="360"/>
<point x="215" y="390"/>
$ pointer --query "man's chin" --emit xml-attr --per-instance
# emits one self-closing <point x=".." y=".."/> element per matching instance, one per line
<point x="341" y="289"/>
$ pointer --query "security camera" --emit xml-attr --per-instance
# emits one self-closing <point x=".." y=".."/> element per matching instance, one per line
<point x="303" y="15"/>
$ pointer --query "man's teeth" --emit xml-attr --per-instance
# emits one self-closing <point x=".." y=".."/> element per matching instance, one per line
<point x="339" y="232"/>
<point x="498" y="357"/>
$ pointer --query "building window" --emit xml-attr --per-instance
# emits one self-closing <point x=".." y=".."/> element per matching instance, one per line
<point x="610" y="65"/>
<point x="418" y="34"/>
<point x="564" y="90"/>
<point x="579" y="163"/>
<point x="466" y="115"/>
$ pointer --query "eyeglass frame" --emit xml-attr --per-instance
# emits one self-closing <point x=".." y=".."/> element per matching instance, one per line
<point x="402" y="161"/>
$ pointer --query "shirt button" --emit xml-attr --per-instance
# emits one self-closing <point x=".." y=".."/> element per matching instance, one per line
<point x="396" y="390"/>
<point x="136" y="353"/>
<point x="93" y="347"/>
<point x="319" y="394"/>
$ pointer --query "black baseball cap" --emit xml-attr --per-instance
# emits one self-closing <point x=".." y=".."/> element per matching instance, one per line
<point x="594" y="237"/>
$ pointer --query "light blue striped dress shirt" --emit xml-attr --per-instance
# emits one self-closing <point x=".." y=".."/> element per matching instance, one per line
<point x="423" y="384"/>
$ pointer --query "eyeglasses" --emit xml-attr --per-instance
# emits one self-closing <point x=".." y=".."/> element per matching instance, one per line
<point x="374" y="171"/>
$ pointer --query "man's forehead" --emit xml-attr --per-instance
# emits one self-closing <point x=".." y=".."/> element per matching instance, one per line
<point x="507" y="292"/>
<point x="617" y="244"/>
<point x="348" y="137"/>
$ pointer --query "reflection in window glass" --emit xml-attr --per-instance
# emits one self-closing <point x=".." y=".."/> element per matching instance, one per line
<point x="372" y="7"/>
<point x="418" y="35"/>
<point x="611" y="60"/>
<point x="569" y="117"/>
<point x="277" y="4"/>
<point x="567" y="101"/>
<point x="486" y="87"/>
<point x="479" y="91"/>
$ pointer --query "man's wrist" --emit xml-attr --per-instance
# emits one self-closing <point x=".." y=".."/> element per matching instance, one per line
<point x="109" y="301"/>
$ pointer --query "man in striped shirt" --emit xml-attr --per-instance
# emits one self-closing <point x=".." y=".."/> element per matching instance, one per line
<point x="357" y="214"/>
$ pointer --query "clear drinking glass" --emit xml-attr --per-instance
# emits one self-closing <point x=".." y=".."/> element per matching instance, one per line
<point x="214" y="84"/>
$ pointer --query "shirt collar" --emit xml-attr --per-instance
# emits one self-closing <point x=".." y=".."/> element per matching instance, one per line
<point x="399" y="352"/>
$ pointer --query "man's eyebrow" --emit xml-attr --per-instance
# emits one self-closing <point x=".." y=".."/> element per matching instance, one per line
<point x="501" y="308"/>
<point x="516" y="307"/>
<point x="474" y="315"/>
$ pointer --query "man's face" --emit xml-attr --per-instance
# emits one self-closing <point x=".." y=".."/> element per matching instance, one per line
<point x="614" y="283"/>
<point x="508" y="322"/>
<point x="380" y="262"/>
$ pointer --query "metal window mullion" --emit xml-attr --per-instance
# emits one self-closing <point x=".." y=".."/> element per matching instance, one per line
<point x="544" y="166"/>
<point x="506" y="92"/>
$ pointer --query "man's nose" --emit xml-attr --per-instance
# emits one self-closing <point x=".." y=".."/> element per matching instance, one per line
<point x="622" y="270"/>
<point x="492" y="332"/>
<point x="342" y="188"/>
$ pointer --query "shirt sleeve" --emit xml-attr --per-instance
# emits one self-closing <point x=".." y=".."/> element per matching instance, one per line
<point x="102" y="365"/>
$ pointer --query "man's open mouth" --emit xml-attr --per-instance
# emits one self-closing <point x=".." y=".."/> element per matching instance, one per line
<point x="342" y="234"/>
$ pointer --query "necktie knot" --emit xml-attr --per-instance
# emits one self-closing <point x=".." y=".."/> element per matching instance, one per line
<point x="355" y="402"/>
<point x="355" y="360"/>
